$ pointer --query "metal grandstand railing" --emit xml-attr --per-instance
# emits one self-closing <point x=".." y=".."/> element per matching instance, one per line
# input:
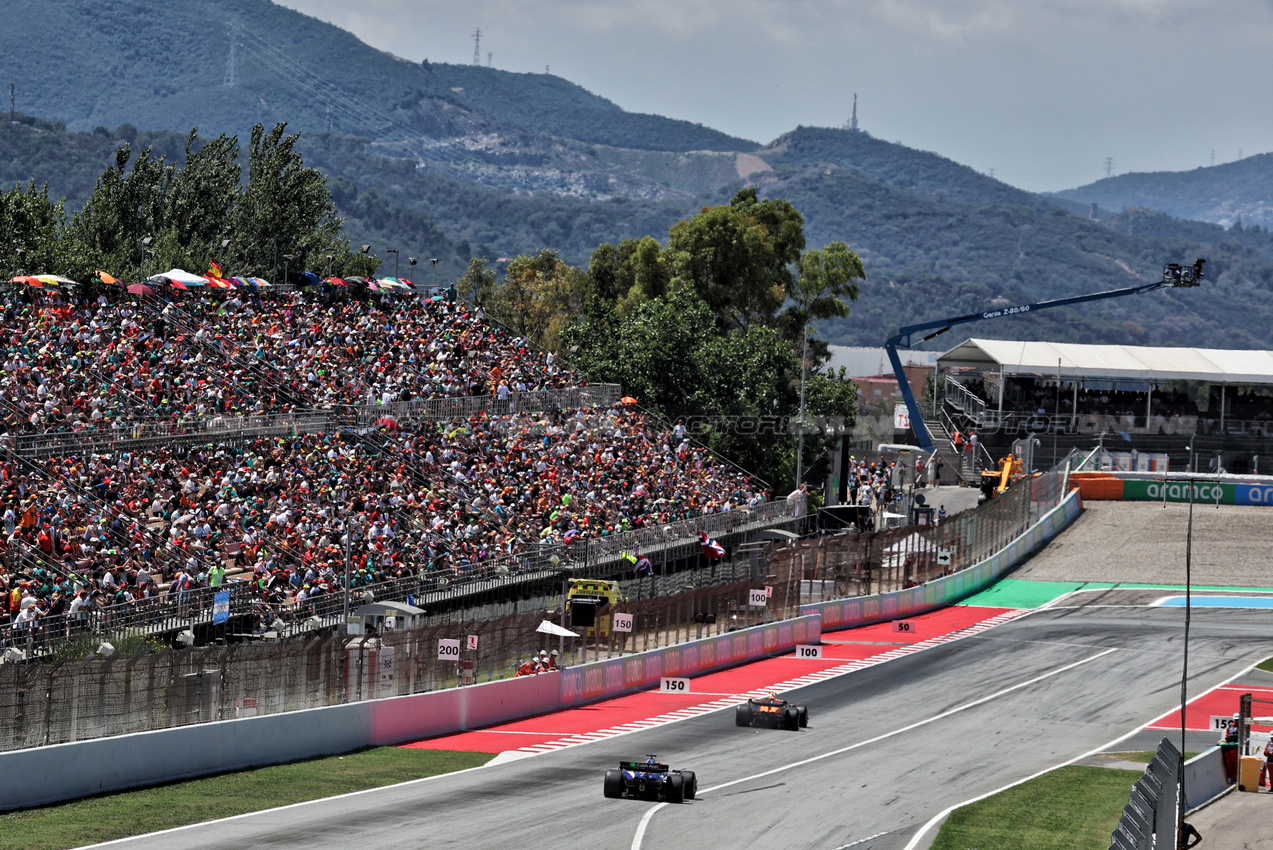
<point x="145" y="435"/>
<point x="466" y="407"/>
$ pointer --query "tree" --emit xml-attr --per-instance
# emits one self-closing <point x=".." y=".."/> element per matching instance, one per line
<point x="539" y="295"/>
<point x="630" y="272"/>
<point x="126" y="207"/>
<point x="738" y="391"/>
<point x="199" y="207"/>
<point x="31" y="225"/>
<point x="478" y="281"/>
<point x="738" y="257"/>
<point x="285" y="207"/>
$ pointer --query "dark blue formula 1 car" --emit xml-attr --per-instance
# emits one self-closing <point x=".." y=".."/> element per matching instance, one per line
<point x="650" y="780"/>
<point x="772" y="712"/>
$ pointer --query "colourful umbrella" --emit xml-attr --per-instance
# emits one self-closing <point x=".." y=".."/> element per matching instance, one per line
<point x="335" y="281"/>
<point x="140" y="289"/>
<point x="56" y="280"/>
<point x="28" y="280"/>
<point x="106" y="278"/>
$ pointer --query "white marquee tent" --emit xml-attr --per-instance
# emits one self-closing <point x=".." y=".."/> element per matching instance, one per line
<point x="1114" y="362"/>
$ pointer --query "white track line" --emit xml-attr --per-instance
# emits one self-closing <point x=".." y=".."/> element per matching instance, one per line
<point x="730" y="700"/>
<point x="939" y="817"/>
<point x="645" y="820"/>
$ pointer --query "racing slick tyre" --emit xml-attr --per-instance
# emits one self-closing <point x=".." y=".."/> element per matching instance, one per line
<point x="742" y="715"/>
<point x="804" y="716"/>
<point x="675" y="791"/>
<point x="613" y="786"/>
<point x="691" y="783"/>
<point x="790" y="719"/>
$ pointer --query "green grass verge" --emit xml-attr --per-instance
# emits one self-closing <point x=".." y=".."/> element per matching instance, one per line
<point x="1071" y="808"/>
<point x="128" y="813"/>
<point x="1266" y="664"/>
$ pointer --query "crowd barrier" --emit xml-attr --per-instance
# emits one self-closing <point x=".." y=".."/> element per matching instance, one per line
<point x="1204" y="778"/>
<point x="1174" y="487"/>
<point x="43" y="775"/>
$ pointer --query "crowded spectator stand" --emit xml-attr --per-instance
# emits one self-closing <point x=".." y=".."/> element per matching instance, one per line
<point x="239" y="439"/>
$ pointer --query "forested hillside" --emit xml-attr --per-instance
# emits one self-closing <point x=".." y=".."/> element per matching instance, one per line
<point x="111" y="62"/>
<point x="1228" y="194"/>
<point x="457" y="162"/>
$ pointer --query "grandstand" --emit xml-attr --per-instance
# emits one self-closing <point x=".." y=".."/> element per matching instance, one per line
<point x="1199" y="409"/>
<point x="286" y="438"/>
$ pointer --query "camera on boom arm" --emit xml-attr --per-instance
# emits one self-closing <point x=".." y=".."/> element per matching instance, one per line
<point x="1174" y="274"/>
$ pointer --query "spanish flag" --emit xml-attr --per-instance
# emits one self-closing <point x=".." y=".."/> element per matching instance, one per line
<point x="214" y="270"/>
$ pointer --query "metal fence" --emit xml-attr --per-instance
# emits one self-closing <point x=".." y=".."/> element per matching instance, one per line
<point x="61" y="699"/>
<point x="858" y="564"/>
<point x="146" y="435"/>
<point x="465" y="407"/>
<point x="98" y="696"/>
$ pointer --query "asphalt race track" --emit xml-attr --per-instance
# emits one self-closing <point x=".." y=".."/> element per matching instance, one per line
<point x="887" y="749"/>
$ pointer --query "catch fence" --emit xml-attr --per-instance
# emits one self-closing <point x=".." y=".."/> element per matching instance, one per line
<point x="63" y="699"/>
<point x="97" y="696"/>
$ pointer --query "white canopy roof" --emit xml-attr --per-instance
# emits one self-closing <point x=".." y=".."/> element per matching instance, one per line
<point x="182" y="276"/>
<point x="1130" y="362"/>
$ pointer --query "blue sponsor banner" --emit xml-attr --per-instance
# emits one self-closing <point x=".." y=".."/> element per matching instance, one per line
<point x="1254" y="494"/>
<point x="221" y="607"/>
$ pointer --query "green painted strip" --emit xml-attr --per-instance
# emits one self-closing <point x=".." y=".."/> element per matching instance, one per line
<point x="1020" y="593"/>
<point x="1023" y="593"/>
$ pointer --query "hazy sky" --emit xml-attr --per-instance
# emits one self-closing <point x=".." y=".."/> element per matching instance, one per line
<point x="1040" y="91"/>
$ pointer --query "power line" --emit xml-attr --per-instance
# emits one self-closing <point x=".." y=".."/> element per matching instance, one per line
<point x="358" y="114"/>
<point x="477" y="47"/>
<point x="1109" y="166"/>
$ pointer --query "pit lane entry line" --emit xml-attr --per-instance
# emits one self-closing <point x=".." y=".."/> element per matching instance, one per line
<point x="645" y="819"/>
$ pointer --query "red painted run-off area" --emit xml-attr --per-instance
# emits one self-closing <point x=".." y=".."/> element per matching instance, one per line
<point x="1223" y="701"/>
<point x="837" y="647"/>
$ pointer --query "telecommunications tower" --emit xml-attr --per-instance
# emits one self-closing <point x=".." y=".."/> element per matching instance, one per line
<point x="477" y="47"/>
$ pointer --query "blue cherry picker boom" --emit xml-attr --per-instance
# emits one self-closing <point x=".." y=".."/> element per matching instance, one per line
<point x="1174" y="276"/>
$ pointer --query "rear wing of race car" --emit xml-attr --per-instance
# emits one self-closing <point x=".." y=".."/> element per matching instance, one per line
<point x="647" y="767"/>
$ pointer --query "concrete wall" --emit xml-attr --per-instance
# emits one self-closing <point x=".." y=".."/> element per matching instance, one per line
<point x="44" y="775"/>
<point x="1204" y="778"/>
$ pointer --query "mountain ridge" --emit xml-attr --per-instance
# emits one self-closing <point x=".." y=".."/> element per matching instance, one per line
<point x="459" y="161"/>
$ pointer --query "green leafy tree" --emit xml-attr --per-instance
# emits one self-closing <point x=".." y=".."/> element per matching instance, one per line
<point x="538" y="296"/>
<point x="738" y="257"/>
<point x="199" y="207"/>
<point x="739" y="391"/>
<point x="31" y="224"/>
<point x="630" y="272"/>
<point x="127" y="206"/>
<point x="478" y="281"/>
<point x="285" y="208"/>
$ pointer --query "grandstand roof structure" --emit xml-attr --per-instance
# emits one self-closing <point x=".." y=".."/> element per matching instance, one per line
<point x="1128" y="362"/>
